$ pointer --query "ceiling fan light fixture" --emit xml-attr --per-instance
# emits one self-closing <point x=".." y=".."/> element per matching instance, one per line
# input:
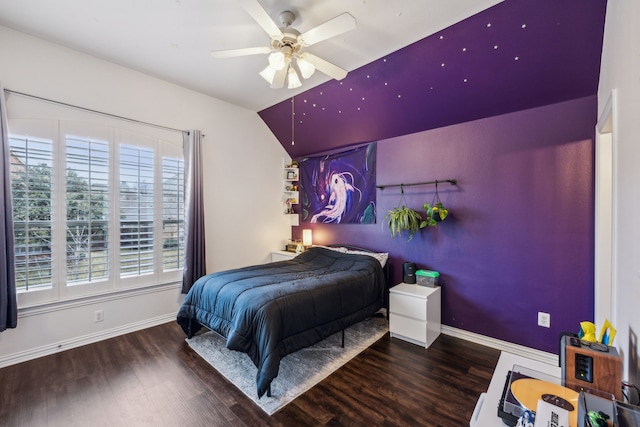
<point x="277" y="60"/>
<point x="286" y="61"/>
<point x="293" y="79"/>
<point x="268" y="74"/>
<point x="306" y="68"/>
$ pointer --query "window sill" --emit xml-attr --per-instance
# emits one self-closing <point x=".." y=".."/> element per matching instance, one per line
<point x="36" y="309"/>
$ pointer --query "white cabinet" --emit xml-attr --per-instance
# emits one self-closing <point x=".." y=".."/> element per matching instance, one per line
<point x="414" y="313"/>
<point x="282" y="255"/>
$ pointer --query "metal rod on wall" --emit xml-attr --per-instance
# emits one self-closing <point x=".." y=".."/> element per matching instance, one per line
<point x="437" y="181"/>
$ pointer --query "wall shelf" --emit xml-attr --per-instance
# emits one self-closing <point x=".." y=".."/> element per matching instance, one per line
<point x="291" y="196"/>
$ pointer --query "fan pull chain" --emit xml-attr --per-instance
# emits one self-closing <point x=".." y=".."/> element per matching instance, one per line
<point x="293" y="120"/>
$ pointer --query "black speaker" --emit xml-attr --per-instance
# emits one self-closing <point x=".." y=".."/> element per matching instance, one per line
<point x="409" y="273"/>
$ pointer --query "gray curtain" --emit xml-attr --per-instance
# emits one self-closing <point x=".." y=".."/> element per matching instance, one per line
<point x="194" y="245"/>
<point x="8" y="302"/>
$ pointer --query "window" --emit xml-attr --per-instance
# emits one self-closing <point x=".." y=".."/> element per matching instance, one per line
<point x="172" y="213"/>
<point x="96" y="208"/>
<point x="32" y="187"/>
<point x="87" y="194"/>
<point x="137" y="208"/>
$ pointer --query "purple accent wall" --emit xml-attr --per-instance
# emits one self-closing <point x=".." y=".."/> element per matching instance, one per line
<point x="520" y="236"/>
<point x="504" y="102"/>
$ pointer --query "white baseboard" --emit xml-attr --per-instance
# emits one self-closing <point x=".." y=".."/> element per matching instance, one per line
<point x="46" y="350"/>
<point x="520" y="350"/>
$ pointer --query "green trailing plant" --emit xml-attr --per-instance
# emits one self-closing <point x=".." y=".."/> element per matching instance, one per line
<point x="435" y="213"/>
<point x="402" y="219"/>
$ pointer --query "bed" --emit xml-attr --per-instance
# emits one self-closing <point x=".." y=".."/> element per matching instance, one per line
<point x="271" y="310"/>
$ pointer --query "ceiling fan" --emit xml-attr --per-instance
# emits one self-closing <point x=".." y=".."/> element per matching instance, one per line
<point x="287" y="58"/>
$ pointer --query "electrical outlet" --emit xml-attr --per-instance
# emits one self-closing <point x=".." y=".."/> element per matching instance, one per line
<point x="544" y="319"/>
<point x="98" y="316"/>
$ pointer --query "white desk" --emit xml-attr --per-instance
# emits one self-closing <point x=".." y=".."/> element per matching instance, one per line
<point x="486" y="412"/>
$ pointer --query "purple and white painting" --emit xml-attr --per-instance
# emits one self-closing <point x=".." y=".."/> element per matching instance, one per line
<point x="339" y="188"/>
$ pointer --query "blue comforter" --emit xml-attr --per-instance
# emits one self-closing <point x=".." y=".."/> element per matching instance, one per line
<point x="271" y="310"/>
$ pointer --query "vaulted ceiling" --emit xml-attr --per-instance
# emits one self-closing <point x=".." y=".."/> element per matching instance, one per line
<point x="173" y="39"/>
<point x="516" y="55"/>
<point x="413" y="64"/>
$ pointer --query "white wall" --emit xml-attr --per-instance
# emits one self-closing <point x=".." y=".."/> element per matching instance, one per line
<point x="242" y="164"/>
<point x="620" y="70"/>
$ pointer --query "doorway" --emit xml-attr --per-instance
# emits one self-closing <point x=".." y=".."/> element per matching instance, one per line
<point x="605" y="223"/>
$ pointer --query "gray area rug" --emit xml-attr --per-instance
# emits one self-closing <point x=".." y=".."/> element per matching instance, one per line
<point x="299" y="371"/>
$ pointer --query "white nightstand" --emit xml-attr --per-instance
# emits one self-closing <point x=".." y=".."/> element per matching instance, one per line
<point x="282" y="255"/>
<point x="414" y="313"/>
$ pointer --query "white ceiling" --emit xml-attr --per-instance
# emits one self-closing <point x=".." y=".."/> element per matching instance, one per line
<point x="172" y="39"/>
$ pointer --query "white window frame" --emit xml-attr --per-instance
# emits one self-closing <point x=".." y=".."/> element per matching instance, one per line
<point x="47" y="125"/>
<point x="95" y="132"/>
<point x="45" y="129"/>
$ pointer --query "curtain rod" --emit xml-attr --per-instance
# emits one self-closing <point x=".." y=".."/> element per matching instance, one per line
<point x="452" y="181"/>
<point x="94" y="111"/>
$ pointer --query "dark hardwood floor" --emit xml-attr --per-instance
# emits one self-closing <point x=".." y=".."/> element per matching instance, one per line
<point x="153" y="378"/>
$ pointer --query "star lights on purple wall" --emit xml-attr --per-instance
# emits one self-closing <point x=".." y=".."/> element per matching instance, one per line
<point x="516" y="55"/>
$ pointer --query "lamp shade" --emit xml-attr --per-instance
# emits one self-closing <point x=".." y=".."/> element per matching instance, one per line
<point x="277" y="60"/>
<point x="306" y="67"/>
<point x="294" y="80"/>
<point x="306" y="238"/>
<point x="268" y="74"/>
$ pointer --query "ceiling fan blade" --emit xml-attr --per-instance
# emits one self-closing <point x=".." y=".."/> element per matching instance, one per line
<point x="240" y="52"/>
<point x="279" y="78"/>
<point x="326" y="67"/>
<point x="333" y="27"/>
<point x="257" y="12"/>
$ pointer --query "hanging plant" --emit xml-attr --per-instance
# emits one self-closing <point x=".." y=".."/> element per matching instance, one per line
<point x="403" y="219"/>
<point x="435" y="211"/>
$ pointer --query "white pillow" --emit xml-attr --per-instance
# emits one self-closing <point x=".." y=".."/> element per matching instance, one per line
<point x="380" y="256"/>
<point x="332" y="248"/>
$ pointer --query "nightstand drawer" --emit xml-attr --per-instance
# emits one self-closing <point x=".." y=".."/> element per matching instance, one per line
<point x="407" y="327"/>
<point x="409" y="306"/>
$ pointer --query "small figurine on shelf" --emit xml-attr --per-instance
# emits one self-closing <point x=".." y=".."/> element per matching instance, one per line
<point x="289" y="209"/>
